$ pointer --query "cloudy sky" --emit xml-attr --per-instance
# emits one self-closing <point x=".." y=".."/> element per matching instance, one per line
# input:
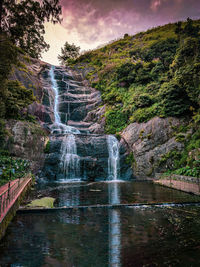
<point x="90" y="23"/>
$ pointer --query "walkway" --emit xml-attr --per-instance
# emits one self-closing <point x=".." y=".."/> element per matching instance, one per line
<point x="9" y="193"/>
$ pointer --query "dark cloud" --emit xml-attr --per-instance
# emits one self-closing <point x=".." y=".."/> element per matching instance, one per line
<point x="99" y="21"/>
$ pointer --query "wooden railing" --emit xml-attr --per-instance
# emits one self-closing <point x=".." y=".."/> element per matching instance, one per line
<point x="10" y="193"/>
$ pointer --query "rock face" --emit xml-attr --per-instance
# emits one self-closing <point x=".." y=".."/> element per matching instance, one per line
<point x="77" y="140"/>
<point x="80" y="107"/>
<point x="27" y="140"/>
<point x="149" y="142"/>
<point x="93" y="153"/>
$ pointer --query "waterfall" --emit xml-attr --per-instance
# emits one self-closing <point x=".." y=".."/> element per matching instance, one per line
<point x="56" y="99"/>
<point x="113" y="160"/>
<point x="58" y="126"/>
<point x="70" y="161"/>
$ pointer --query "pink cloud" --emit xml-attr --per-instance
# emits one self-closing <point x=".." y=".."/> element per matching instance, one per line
<point x="98" y="20"/>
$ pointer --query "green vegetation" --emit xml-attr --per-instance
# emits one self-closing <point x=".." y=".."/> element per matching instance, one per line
<point x="47" y="147"/>
<point x="188" y="171"/>
<point x="186" y="162"/>
<point x="12" y="168"/>
<point x="154" y="73"/>
<point x="21" y="37"/>
<point x="45" y="202"/>
<point x="14" y="97"/>
<point x="130" y="159"/>
<point x="68" y="53"/>
<point x="23" y="23"/>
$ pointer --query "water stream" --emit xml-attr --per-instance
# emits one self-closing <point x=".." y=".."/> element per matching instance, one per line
<point x="70" y="161"/>
<point x="56" y="98"/>
<point x="113" y="160"/>
<point x="58" y="126"/>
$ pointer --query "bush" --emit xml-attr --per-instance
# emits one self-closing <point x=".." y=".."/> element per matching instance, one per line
<point x="187" y="171"/>
<point x="116" y="120"/>
<point x="127" y="73"/>
<point x="11" y="169"/>
<point x="142" y="100"/>
<point x="174" y="100"/>
<point x="47" y="148"/>
<point x="19" y="97"/>
<point x="145" y="114"/>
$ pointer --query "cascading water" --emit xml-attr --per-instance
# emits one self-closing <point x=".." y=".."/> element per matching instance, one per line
<point x="56" y="98"/>
<point x="58" y="126"/>
<point x="113" y="160"/>
<point x="76" y="111"/>
<point x="70" y="161"/>
<point x="114" y="198"/>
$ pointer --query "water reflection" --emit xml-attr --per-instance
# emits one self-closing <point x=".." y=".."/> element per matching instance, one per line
<point x="113" y="193"/>
<point x="114" y="226"/>
<point x="102" y="237"/>
<point x="71" y="197"/>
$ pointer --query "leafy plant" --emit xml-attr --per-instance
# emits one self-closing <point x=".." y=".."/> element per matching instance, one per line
<point x="68" y="52"/>
<point x="116" y="120"/>
<point x="187" y="171"/>
<point x="23" y="22"/>
<point x="47" y="147"/>
<point x="12" y="168"/>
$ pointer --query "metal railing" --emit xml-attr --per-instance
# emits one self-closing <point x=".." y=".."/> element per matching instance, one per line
<point x="9" y="194"/>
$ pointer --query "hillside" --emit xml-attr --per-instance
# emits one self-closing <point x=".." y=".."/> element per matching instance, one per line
<point x="154" y="73"/>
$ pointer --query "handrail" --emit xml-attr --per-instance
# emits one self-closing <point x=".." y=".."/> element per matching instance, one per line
<point x="8" y="195"/>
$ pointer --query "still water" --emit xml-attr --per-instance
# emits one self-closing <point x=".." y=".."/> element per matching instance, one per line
<point x="103" y="236"/>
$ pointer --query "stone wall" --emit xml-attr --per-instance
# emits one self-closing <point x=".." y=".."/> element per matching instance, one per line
<point x="180" y="182"/>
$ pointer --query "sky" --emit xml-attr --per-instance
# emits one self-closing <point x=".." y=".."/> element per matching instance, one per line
<point x="91" y="23"/>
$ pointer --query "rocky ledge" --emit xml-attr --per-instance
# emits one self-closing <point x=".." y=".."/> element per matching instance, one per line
<point x="149" y="142"/>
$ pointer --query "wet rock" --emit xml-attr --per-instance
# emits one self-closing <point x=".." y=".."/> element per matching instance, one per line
<point x="93" y="153"/>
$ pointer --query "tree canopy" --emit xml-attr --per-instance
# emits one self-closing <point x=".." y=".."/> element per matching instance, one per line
<point x="68" y="52"/>
<point x="23" y="22"/>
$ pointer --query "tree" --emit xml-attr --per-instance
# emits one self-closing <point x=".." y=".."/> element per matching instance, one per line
<point x="189" y="30"/>
<point x="68" y="52"/>
<point x="23" y="22"/>
<point x="14" y="97"/>
<point x="8" y="57"/>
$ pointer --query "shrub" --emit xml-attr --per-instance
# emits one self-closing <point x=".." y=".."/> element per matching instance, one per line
<point x="12" y="168"/>
<point x="174" y="100"/>
<point x="145" y="114"/>
<point x="47" y="148"/>
<point x="187" y="171"/>
<point x="142" y="100"/>
<point x="116" y="120"/>
<point x="19" y="97"/>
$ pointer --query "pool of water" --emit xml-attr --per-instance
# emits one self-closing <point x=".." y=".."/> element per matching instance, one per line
<point x="82" y="194"/>
<point x="98" y="237"/>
